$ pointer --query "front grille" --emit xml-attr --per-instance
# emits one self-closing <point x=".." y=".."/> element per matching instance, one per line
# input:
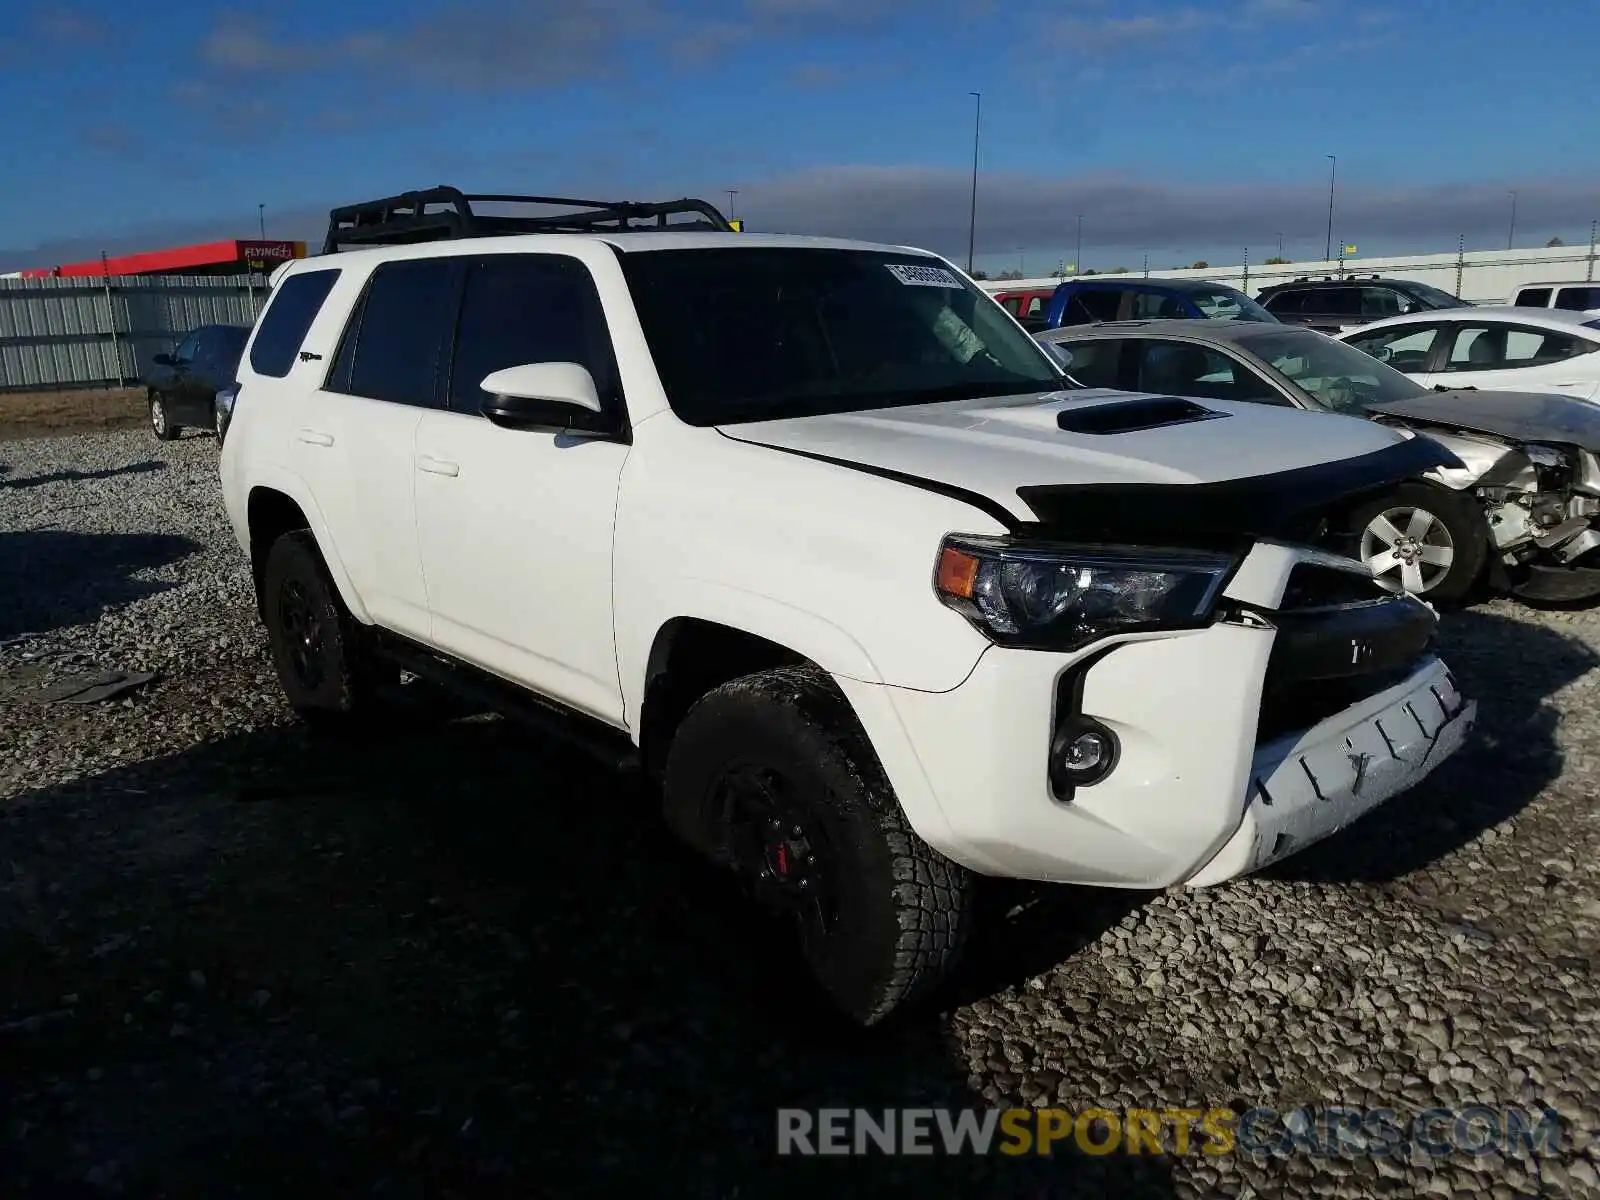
<point x="1317" y="585"/>
<point x="1327" y="657"/>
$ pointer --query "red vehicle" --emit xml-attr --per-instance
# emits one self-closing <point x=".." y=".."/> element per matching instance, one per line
<point x="1030" y="306"/>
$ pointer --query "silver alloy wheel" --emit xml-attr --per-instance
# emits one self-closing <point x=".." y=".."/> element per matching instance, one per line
<point x="1408" y="549"/>
<point x="158" y="415"/>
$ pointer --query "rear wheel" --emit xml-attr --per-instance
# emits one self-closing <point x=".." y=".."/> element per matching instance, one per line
<point x="322" y="654"/>
<point x="161" y="423"/>
<point x="771" y="777"/>
<point x="1422" y="539"/>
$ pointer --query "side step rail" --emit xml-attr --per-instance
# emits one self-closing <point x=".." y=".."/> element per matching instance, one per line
<point x="609" y="746"/>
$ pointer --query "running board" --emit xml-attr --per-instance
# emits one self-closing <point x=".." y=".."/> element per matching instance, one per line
<point x="609" y="746"/>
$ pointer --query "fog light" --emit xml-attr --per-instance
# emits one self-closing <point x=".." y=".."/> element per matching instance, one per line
<point x="1082" y="753"/>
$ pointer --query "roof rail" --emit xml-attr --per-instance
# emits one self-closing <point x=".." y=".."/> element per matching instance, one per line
<point x="443" y="213"/>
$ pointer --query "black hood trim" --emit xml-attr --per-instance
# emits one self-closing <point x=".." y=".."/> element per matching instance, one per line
<point x="1284" y="504"/>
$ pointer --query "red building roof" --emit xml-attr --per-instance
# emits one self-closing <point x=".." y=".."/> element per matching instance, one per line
<point x="250" y="255"/>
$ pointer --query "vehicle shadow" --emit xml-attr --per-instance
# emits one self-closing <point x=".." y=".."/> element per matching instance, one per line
<point x="446" y="960"/>
<point x="50" y="578"/>
<point x="28" y="481"/>
<point x="1511" y="668"/>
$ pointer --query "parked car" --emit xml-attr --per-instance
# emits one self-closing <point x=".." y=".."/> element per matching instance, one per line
<point x="182" y="387"/>
<point x="1568" y="297"/>
<point x="809" y="531"/>
<point x="1519" y="511"/>
<point x="1116" y="298"/>
<point x="1334" y="305"/>
<point x="1504" y="348"/>
<point x="1028" y="306"/>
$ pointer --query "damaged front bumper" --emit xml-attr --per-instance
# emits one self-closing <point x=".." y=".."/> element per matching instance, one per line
<point x="1307" y="786"/>
<point x="1236" y="745"/>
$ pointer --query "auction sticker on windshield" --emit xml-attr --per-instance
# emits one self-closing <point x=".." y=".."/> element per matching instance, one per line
<point x="908" y="273"/>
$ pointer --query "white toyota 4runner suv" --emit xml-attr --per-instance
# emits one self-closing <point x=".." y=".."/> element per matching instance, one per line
<point x="817" y="535"/>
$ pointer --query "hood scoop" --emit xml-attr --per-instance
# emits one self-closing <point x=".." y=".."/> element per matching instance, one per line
<point x="1131" y="416"/>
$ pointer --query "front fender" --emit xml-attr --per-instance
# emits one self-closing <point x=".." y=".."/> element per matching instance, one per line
<point x="806" y="633"/>
<point x="277" y="479"/>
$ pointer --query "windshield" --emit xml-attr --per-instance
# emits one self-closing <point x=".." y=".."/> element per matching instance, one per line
<point x="1434" y="298"/>
<point x="1225" y="304"/>
<point x="763" y="333"/>
<point x="1338" y="377"/>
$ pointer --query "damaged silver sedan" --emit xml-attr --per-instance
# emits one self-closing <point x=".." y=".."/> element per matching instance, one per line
<point x="1521" y="514"/>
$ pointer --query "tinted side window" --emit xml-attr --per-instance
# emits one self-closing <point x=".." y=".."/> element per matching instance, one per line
<point x="1011" y="304"/>
<point x="1285" y="302"/>
<point x="1185" y="369"/>
<point x="1533" y="298"/>
<point x="1404" y="348"/>
<point x="1094" y="364"/>
<point x="188" y="348"/>
<point x="1382" y="302"/>
<point x="528" y="308"/>
<point x="1502" y="347"/>
<point x="1035" y="307"/>
<point x="1578" y="299"/>
<point x="228" y="348"/>
<point x="293" y="306"/>
<point x="1335" y="301"/>
<point x="1148" y="305"/>
<point x="405" y="327"/>
<point x="1091" y="304"/>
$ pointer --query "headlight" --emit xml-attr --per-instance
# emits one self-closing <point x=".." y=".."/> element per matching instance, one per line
<point x="1060" y="597"/>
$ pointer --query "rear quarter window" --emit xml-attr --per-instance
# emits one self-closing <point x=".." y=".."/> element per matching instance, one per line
<point x="293" y="306"/>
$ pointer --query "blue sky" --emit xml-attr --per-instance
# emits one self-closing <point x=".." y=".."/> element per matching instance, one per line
<point x="1181" y="128"/>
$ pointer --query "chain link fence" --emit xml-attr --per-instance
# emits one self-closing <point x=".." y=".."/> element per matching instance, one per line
<point x="83" y="333"/>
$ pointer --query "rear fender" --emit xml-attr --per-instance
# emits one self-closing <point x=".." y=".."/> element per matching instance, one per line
<point x="278" y="480"/>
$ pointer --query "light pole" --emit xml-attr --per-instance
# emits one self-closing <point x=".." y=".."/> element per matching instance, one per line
<point x="1512" y="232"/>
<point x="972" y="216"/>
<point x="261" y="216"/>
<point x="1280" y="245"/>
<point x="1333" y="172"/>
<point x="1077" y="267"/>
<point x="732" y="192"/>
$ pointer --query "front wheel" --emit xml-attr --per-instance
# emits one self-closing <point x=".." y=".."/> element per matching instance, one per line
<point x="161" y="423"/>
<point x="772" y="777"/>
<point x="1422" y="539"/>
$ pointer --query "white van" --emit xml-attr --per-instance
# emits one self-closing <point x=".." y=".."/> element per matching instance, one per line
<point x="1574" y="297"/>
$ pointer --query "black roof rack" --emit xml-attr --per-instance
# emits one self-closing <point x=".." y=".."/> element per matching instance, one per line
<point x="443" y="213"/>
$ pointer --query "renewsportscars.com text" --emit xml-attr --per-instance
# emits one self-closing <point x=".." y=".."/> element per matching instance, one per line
<point x="1325" y="1132"/>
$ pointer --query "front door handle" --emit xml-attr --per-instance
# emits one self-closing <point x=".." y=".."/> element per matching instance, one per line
<point x="437" y="466"/>
<point x="314" y="437"/>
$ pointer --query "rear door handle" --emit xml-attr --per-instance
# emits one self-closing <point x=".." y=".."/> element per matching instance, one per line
<point x="437" y="466"/>
<point x="314" y="437"/>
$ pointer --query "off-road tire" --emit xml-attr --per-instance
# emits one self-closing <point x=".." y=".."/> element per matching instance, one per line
<point x="1461" y="517"/>
<point x="903" y="911"/>
<point x="161" y="423"/>
<point x="349" y="675"/>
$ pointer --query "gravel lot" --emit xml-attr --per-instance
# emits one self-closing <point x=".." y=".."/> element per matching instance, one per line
<point x="459" y="962"/>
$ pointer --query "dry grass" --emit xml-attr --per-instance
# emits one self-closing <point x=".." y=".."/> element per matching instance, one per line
<point x="42" y="414"/>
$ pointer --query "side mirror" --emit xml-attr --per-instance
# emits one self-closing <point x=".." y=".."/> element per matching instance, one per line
<point x="164" y="360"/>
<point x="1061" y="353"/>
<point x="557" y="395"/>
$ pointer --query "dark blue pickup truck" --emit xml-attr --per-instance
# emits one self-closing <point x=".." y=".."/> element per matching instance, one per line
<point x="1118" y="298"/>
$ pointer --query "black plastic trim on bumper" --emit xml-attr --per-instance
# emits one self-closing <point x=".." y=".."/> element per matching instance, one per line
<point x="1324" y="660"/>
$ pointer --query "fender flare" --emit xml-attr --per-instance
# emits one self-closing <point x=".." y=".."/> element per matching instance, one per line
<point x="814" y="637"/>
<point x="288" y="484"/>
